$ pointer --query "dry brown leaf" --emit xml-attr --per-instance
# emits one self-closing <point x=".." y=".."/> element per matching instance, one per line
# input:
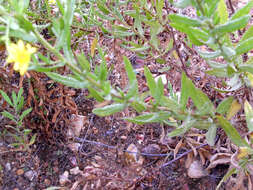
<point x="219" y="158"/>
<point x="132" y="157"/>
<point x="189" y="160"/>
<point x="178" y="146"/>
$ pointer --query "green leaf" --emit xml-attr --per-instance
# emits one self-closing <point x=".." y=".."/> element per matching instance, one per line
<point x="25" y="113"/>
<point x="209" y="54"/>
<point x="138" y="106"/>
<point x="24" y="23"/>
<point x="225" y="105"/>
<point x="159" y="8"/>
<point x="149" y="118"/>
<point x="183" y="3"/>
<point x="222" y="11"/>
<point x="159" y="91"/>
<point x="216" y="65"/>
<point x="14" y="99"/>
<point x="8" y="115"/>
<point x="95" y="94"/>
<point x="108" y="110"/>
<point x="188" y="124"/>
<point x="219" y="72"/>
<point x="187" y="30"/>
<point x="232" y="132"/>
<point x="32" y="140"/>
<point x="249" y="115"/>
<point x="171" y="104"/>
<point x="211" y="134"/>
<point x="20" y="92"/>
<point x="231" y="25"/>
<point x="150" y="81"/>
<point x="212" y="7"/>
<point x="244" y="46"/>
<point x="130" y="71"/>
<point x="184" y="91"/>
<point x="200" y="100"/>
<point x="67" y="80"/>
<point x="248" y="34"/>
<point x="246" y="67"/>
<point x="83" y="62"/>
<point x="6" y="98"/>
<point x="243" y="11"/>
<point x="180" y="19"/>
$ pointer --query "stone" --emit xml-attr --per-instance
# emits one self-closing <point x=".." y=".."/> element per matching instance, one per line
<point x="30" y="175"/>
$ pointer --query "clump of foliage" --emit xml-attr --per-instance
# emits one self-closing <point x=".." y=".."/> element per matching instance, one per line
<point x="19" y="132"/>
<point x="211" y="28"/>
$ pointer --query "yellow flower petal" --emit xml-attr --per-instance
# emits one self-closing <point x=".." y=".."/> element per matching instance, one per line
<point x="20" y="54"/>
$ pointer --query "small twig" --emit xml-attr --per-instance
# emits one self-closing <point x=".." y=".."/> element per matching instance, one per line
<point x="179" y="54"/>
<point x="114" y="147"/>
<point x="182" y="155"/>
<point x="231" y="6"/>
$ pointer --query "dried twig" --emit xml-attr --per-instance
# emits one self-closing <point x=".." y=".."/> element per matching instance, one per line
<point x="82" y="140"/>
<point x="182" y="155"/>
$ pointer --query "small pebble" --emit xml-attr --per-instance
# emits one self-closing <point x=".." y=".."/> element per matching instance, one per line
<point x="47" y="182"/>
<point x="20" y="172"/>
<point x="8" y="167"/>
<point x="30" y="175"/>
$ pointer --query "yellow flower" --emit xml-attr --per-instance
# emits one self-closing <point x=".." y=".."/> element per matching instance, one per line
<point x="20" y="55"/>
<point x="52" y="2"/>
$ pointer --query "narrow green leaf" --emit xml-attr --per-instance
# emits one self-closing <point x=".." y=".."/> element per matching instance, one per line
<point x="159" y="91"/>
<point x="248" y="34"/>
<point x="223" y="12"/>
<point x="6" y="98"/>
<point x="159" y="8"/>
<point x="67" y="80"/>
<point x="209" y="55"/>
<point x="149" y="118"/>
<point x="32" y="140"/>
<point x="187" y="125"/>
<point x="243" y="11"/>
<point x="25" y="113"/>
<point x="244" y="46"/>
<point x="225" y="105"/>
<point x="108" y="110"/>
<point x="249" y="115"/>
<point x="138" y="106"/>
<point x="180" y="19"/>
<point x="231" y="132"/>
<point x="183" y="3"/>
<point x="20" y="92"/>
<point x="130" y="71"/>
<point x="211" y="135"/>
<point x="83" y="62"/>
<point x="150" y="81"/>
<point x="95" y="94"/>
<point x="219" y="72"/>
<point x="231" y="25"/>
<point x="246" y="68"/>
<point x="8" y="115"/>
<point x="14" y="99"/>
<point x="184" y="91"/>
